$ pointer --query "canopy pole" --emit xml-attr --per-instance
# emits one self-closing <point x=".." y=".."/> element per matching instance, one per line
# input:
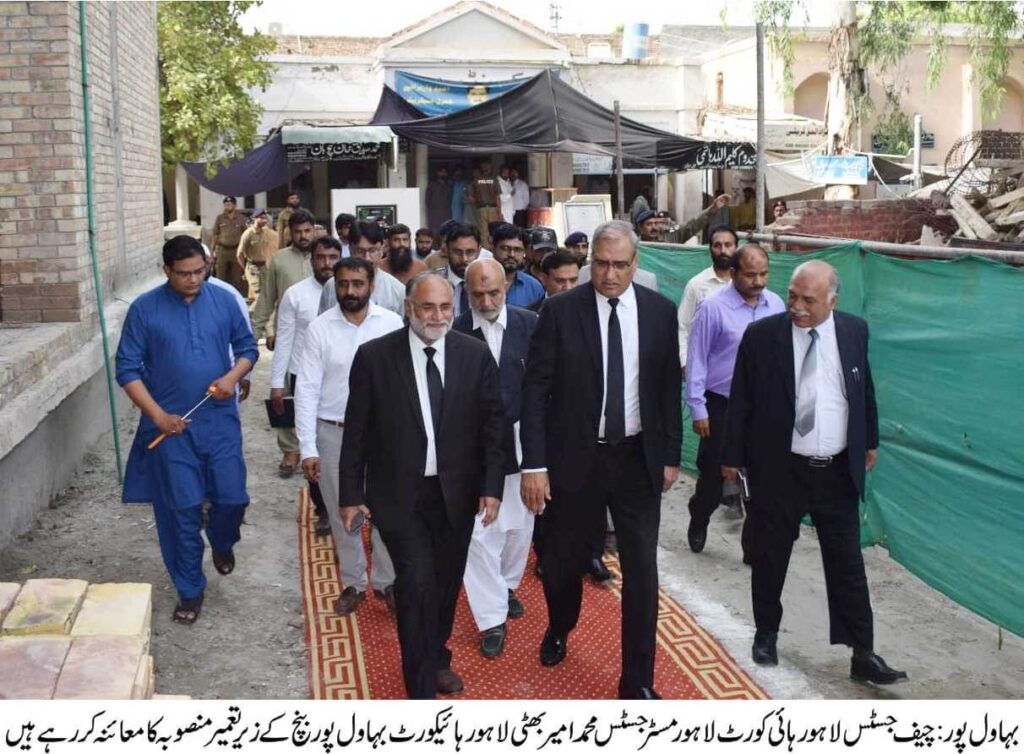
<point x="759" y="173"/>
<point x="619" y="177"/>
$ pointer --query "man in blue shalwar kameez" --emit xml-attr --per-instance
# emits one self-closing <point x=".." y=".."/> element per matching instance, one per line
<point x="177" y="345"/>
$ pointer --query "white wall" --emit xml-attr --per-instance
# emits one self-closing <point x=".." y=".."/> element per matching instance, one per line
<point x="406" y="200"/>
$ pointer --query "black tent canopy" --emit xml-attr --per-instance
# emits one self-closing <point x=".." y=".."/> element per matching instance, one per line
<point x="544" y="114"/>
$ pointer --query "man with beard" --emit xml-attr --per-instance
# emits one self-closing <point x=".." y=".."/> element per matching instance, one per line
<point x="578" y="245"/>
<point x="288" y="267"/>
<point x="422" y="454"/>
<point x="716" y="277"/>
<point x="463" y="245"/>
<point x="399" y="261"/>
<point x="366" y="241"/>
<point x="715" y="336"/>
<point x="498" y="553"/>
<point x="510" y="251"/>
<point x="424" y="243"/>
<point x="321" y="396"/>
<point x="284" y="233"/>
<point x="299" y="306"/>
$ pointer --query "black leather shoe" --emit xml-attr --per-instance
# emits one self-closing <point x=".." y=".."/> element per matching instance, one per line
<point x="515" y="607"/>
<point x="696" y="536"/>
<point x="492" y="641"/>
<point x="552" y="649"/>
<point x="872" y="669"/>
<point x="449" y="682"/>
<point x="644" y="692"/>
<point x="597" y="570"/>
<point x="764" y="652"/>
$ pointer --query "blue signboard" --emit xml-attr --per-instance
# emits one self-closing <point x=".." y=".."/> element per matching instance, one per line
<point x="440" y="97"/>
<point x="840" y="169"/>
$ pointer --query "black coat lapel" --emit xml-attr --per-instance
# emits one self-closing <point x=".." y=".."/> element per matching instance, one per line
<point x="591" y="329"/>
<point x="847" y="357"/>
<point x="403" y="358"/>
<point x="646" y="333"/>
<point x="784" y="354"/>
<point x="453" y="366"/>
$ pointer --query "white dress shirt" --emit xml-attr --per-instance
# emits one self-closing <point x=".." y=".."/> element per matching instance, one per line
<point x="321" y="384"/>
<point x="493" y="332"/>
<point x="831" y="409"/>
<point x="419" y="368"/>
<point x="299" y="306"/>
<point x="627" y="314"/>
<point x="698" y="288"/>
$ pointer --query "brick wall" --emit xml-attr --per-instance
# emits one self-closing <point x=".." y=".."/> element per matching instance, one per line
<point x="45" y="272"/>
<point x="891" y="220"/>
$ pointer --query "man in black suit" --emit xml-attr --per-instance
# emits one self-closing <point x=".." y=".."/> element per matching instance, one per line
<point x="802" y="420"/>
<point x="422" y="454"/>
<point x="498" y="553"/>
<point x="602" y="427"/>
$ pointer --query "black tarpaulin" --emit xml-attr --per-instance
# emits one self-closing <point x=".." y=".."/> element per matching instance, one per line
<point x="392" y="107"/>
<point x="261" y="169"/>
<point x="544" y="114"/>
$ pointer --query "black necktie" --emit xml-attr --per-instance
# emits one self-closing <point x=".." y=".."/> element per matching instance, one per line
<point x="615" y="386"/>
<point x="435" y="389"/>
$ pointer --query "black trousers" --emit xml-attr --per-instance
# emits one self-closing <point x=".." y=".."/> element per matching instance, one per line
<point x="828" y="495"/>
<point x="709" y="461"/>
<point x="619" y="481"/>
<point x="430" y="558"/>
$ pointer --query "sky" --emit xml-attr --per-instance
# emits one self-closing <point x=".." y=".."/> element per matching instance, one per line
<point x="353" y="18"/>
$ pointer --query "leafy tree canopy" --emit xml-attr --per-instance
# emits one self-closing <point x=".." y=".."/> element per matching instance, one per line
<point x="208" y="66"/>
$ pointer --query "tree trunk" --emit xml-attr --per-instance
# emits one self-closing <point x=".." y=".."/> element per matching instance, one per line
<point x="844" y="84"/>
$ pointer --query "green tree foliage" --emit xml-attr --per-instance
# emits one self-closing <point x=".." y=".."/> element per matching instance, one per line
<point x="208" y="66"/>
<point x="887" y="32"/>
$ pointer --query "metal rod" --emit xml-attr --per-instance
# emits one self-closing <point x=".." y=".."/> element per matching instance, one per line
<point x="882" y="247"/>
<point x="917" y="151"/>
<point x="619" y="178"/>
<point x="759" y="186"/>
<point x="93" y="253"/>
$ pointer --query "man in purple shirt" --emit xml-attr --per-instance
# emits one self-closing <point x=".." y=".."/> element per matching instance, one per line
<point x="715" y="335"/>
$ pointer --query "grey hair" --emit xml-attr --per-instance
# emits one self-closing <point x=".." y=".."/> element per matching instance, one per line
<point x="817" y="264"/>
<point x="414" y="282"/>
<point x="614" y="229"/>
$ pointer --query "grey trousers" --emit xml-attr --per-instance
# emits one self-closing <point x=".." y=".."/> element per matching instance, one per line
<point x="348" y="546"/>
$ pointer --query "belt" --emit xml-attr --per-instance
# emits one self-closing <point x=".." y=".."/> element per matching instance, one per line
<point x="819" y="462"/>
<point x="228" y="245"/>
<point x="628" y="440"/>
<point x="255" y="263"/>
<point x="331" y="421"/>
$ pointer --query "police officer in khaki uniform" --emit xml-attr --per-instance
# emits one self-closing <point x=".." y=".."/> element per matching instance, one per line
<point x="483" y="194"/>
<point x="284" y="234"/>
<point x="227" y="232"/>
<point x="255" y="250"/>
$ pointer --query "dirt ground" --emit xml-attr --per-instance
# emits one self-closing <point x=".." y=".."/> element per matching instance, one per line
<point x="249" y="642"/>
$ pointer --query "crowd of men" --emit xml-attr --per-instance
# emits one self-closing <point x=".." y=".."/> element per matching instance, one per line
<point x="464" y="401"/>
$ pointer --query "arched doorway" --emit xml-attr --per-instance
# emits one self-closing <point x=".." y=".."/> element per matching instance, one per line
<point x="810" y="97"/>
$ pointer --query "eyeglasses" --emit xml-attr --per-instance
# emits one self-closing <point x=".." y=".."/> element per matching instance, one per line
<point x="445" y="309"/>
<point x="186" y="274"/>
<point x="604" y="265"/>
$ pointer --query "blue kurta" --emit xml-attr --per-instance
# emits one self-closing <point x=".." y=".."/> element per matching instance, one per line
<point x="178" y="349"/>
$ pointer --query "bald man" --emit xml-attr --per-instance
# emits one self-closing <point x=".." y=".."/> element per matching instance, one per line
<point x="498" y="553"/>
<point x="802" y="420"/>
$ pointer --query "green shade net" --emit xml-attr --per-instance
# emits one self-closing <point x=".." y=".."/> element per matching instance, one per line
<point x="947" y="357"/>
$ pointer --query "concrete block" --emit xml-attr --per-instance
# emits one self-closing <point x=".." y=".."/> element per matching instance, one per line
<point x="45" y="606"/>
<point x="116" y="610"/>
<point x="142" y="687"/>
<point x="7" y="594"/>
<point x="31" y="665"/>
<point x="100" y="667"/>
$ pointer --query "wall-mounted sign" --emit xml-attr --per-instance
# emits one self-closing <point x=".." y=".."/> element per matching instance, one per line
<point x="440" y="97"/>
<point x="722" y="154"/>
<point x="840" y="169"/>
<point x="382" y="214"/>
<point x="333" y="152"/>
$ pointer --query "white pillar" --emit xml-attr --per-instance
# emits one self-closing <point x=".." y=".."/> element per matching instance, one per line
<point x="421" y="155"/>
<point x="261" y="200"/>
<point x="181" y="225"/>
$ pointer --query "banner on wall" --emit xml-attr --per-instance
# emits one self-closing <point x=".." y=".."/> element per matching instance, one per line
<point x="441" y="97"/>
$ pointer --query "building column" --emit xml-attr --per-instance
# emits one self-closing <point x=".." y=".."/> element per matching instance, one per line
<point x="181" y="225"/>
<point x="421" y="155"/>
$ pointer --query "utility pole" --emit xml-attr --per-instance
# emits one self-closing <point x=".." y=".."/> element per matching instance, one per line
<point x="759" y="172"/>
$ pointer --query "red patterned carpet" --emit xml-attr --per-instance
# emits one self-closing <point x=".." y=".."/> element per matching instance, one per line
<point x="357" y="657"/>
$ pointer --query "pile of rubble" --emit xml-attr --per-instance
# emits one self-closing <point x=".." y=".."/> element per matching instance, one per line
<point x="998" y="217"/>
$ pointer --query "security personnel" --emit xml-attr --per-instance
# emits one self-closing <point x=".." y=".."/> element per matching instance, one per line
<point x="227" y="232"/>
<point x="483" y="194"/>
<point x="255" y="250"/>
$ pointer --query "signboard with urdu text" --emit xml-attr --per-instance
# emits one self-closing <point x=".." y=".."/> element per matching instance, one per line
<point x="840" y="169"/>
